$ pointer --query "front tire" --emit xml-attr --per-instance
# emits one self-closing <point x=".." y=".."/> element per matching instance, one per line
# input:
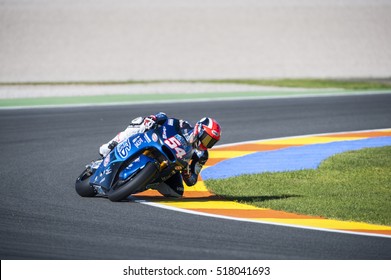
<point x="134" y="185"/>
<point x="82" y="185"/>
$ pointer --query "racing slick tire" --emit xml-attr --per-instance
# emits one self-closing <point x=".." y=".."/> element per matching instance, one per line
<point x="82" y="185"/>
<point x="135" y="184"/>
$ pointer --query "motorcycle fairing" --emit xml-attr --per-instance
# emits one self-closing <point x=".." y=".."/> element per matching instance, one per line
<point x="130" y="150"/>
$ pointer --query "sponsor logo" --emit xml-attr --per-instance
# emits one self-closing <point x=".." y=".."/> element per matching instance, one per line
<point x="215" y="133"/>
<point x="147" y="138"/>
<point x="106" y="161"/>
<point x="138" y="141"/>
<point x="164" y="134"/>
<point x="181" y="140"/>
<point x="154" y="137"/>
<point x="123" y="148"/>
<point x="108" y="171"/>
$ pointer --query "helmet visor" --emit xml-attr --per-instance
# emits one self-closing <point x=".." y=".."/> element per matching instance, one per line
<point x="207" y="141"/>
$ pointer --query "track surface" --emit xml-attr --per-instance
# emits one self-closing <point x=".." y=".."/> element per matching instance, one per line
<point x="44" y="150"/>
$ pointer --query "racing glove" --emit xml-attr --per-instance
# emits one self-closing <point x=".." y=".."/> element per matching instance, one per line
<point x="149" y="122"/>
<point x="190" y="173"/>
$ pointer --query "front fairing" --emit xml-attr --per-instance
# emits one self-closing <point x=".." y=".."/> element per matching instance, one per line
<point x="135" y="166"/>
<point x="164" y="140"/>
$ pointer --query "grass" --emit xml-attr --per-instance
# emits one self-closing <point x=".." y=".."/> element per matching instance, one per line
<point x="352" y="186"/>
<point x="316" y="83"/>
<point x="363" y="84"/>
<point x="132" y="98"/>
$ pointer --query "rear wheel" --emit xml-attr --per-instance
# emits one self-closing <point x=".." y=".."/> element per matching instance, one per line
<point x="82" y="185"/>
<point x="135" y="184"/>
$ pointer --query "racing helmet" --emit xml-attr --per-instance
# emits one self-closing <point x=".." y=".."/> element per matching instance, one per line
<point x="207" y="133"/>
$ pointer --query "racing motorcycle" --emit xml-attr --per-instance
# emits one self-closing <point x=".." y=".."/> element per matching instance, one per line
<point x="136" y="164"/>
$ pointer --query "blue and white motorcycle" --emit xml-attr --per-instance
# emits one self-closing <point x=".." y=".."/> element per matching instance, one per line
<point x="138" y="163"/>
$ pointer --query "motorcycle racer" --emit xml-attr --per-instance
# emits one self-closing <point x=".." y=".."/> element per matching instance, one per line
<point x="203" y="136"/>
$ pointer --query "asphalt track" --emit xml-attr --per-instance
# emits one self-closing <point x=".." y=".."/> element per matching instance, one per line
<point x="44" y="150"/>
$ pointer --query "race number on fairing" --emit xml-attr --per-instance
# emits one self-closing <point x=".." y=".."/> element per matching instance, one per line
<point x="175" y="144"/>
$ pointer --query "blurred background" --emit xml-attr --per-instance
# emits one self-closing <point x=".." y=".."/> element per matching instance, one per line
<point x="115" y="40"/>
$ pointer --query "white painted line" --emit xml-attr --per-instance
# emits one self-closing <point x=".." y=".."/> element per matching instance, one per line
<point x="300" y="136"/>
<point x="253" y="221"/>
<point x="217" y="99"/>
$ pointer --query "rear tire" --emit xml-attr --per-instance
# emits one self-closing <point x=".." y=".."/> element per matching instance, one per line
<point x="134" y="185"/>
<point x="82" y="185"/>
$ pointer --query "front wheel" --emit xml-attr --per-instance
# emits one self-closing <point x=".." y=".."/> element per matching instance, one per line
<point x="134" y="185"/>
<point x="82" y="185"/>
